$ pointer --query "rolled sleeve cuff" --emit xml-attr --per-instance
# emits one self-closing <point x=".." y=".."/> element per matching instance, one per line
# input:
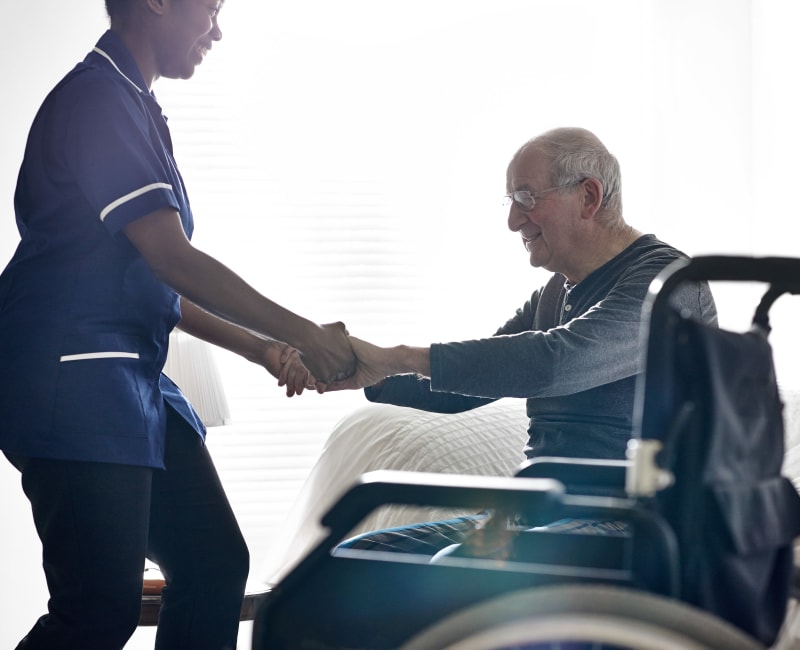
<point x="138" y="203"/>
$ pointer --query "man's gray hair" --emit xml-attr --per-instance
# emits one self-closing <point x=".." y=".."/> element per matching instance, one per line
<point x="574" y="154"/>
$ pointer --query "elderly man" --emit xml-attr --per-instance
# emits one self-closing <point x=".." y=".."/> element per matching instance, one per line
<point x="572" y="350"/>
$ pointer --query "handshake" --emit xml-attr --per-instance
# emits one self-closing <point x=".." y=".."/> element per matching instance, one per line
<point x="333" y="360"/>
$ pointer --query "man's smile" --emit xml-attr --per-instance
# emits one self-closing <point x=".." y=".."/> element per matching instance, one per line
<point x="527" y="240"/>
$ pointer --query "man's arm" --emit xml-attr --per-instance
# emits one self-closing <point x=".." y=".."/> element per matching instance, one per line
<point x="413" y="388"/>
<point x="415" y="391"/>
<point x="375" y="363"/>
<point x="396" y="375"/>
<point x="599" y="347"/>
<point x="201" y="279"/>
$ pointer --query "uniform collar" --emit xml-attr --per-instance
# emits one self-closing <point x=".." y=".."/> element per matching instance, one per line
<point x="113" y="51"/>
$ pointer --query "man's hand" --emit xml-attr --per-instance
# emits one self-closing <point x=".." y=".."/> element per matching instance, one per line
<point x="374" y="365"/>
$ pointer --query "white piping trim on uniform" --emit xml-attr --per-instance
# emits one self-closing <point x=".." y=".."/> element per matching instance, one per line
<point x="99" y="355"/>
<point x="133" y="195"/>
<point x="111" y="61"/>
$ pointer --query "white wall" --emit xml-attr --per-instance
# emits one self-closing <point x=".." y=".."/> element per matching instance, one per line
<point x="701" y="113"/>
<point x="35" y="51"/>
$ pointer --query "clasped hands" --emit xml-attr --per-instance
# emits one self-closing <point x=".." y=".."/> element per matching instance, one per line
<point x="348" y="363"/>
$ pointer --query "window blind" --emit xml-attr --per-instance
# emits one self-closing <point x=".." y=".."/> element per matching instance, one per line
<point x="330" y="248"/>
<point x="352" y="169"/>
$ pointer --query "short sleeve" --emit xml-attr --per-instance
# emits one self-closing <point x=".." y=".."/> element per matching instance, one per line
<point x="114" y="151"/>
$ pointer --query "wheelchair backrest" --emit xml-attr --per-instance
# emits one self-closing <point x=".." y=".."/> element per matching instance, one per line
<point x="711" y="397"/>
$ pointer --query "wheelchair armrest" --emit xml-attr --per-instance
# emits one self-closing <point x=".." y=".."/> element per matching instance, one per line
<point x="386" y="487"/>
<point x="579" y="475"/>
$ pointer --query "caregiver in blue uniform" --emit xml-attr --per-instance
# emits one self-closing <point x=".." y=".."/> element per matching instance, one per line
<point x="110" y="452"/>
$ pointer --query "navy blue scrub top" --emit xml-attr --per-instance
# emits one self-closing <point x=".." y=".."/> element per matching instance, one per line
<point x="84" y="324"/>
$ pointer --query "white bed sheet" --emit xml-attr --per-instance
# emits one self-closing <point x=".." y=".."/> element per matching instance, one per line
<point x="486" y="441"/>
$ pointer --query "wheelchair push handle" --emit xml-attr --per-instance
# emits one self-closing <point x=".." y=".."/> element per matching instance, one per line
<point x="781" y="272"/>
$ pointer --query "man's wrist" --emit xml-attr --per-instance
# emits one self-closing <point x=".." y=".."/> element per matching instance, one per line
<point x="411" y="359"/>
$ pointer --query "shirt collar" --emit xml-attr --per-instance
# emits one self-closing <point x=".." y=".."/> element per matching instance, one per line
<point x="113" y="52"/>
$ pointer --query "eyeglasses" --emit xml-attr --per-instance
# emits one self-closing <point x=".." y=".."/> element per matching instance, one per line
<point x="526" y="200"/>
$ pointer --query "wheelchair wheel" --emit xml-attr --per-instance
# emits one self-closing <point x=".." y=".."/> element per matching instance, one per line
<point x="581" y="617"/>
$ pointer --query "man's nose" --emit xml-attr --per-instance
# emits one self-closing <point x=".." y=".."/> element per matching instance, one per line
<point x="515" y="218"/>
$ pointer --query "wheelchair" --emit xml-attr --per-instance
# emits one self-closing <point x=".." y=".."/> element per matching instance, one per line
<point x="703" y="558"/>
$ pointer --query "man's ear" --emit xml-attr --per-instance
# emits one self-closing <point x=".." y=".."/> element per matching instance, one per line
<point x="592" y="197"/>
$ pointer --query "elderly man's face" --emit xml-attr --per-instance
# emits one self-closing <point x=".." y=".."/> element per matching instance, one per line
<point x="548" y="229"/>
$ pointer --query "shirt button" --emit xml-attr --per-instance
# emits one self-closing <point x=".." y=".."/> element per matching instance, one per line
<point x="567" y="307"/>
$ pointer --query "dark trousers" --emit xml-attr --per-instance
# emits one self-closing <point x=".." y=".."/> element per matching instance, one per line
<point x="97" y="523"/>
